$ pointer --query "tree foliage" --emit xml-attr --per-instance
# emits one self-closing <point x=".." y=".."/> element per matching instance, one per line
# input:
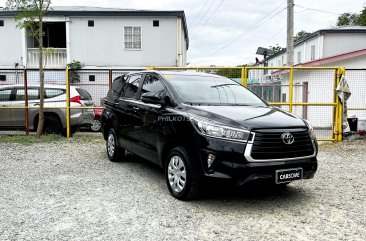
<point x="31" y="15"/>
<point x="230" y="73"/>
<point x="300" y="35"/>
<point x="275" y="49"/>
<point x="352" y="19"/>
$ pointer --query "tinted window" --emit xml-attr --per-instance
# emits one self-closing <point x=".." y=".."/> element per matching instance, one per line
<point x="117" y="85"/>
<point x="50" y="93"/>
<point x="132" y="85"/>
<point x="33" y="94"/>
<point x="212" y="90"/>
<point x="84" y="94"/>
<point x="5" y="94"/>
<point x="152" y="84"/>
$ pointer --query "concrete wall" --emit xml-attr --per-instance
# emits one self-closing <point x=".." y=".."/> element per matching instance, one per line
<point x="103" y="44"/>
<point x="10" y="43"/>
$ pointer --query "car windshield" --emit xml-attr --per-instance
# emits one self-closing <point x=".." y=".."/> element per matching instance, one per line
<point x="211" y="90"/>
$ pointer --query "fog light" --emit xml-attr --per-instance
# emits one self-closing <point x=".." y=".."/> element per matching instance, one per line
<point x="210" y="159"/>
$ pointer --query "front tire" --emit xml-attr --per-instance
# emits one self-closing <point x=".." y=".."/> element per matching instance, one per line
<point x="182" y="175"/>
<point x="114" y="151"/>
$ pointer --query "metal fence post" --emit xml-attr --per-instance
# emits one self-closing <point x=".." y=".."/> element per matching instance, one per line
<point x="110" y="78"/>
<point x="339" y="108"/>
<point x="26" y="102"/>
<point x="244" y="76"/>
<point x="291" y="88"/>
<point x="68" y="128"/>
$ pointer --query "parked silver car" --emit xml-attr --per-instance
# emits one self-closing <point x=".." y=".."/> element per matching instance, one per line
<point x="54" y="104"/>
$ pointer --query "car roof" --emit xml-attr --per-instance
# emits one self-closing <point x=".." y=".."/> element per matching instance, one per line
<point x="177" y="72"/>
<point x="51" y="86"/>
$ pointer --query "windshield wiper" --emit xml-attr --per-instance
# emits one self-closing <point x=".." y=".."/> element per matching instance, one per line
<point x="215" y="86"/>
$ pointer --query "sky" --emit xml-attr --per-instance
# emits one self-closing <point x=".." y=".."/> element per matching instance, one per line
<point x="228" y="32"/>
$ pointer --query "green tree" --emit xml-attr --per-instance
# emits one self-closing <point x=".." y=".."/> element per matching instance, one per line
<point x="361" y="20"/>
<point x="300" y="35"/>
<point x="275" y="49"/>
<point x="352" y="19"/>
<point x="347" y="19"/>
<point x="31" y="15"/>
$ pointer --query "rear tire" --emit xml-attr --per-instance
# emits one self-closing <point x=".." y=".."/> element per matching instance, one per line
<point x="52" y="125"/>
<point x="95" y="125"/>
<point x="114" y="151"/>
<point x="182" y="175"/>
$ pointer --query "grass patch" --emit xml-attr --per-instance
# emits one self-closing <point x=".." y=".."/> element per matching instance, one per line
<point x="31" y="139"/>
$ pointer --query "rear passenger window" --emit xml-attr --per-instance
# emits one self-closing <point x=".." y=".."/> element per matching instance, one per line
<point x="117" y="85"/>
<point x="5" y="94"/>
<point x="33" y="94"/>
<point x="84" y="94"/>
<point x="51" y="93"/>
<point x="132" y="85"/>
<point x="152" y="84"/>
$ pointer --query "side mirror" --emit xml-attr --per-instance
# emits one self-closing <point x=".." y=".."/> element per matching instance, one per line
<point x="152" y="98"/>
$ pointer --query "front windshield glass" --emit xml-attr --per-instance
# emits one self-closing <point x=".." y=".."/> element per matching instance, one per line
<point x="211" y="90"/>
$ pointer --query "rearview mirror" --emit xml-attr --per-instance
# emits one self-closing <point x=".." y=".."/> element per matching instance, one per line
<point x="152" y="98"/>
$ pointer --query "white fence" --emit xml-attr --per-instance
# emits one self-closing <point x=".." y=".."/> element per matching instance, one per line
<point x="54" y="58"/>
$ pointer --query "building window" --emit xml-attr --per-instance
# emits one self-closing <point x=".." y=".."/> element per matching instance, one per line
<point x="1" y="23"/>
<point x="284" y="97"/>
<point x="312" y="54"/>
<point x="90" y="23"/>
<point x="91" y="77"/>
<point x="132" y="38"/>
<point x="299" y="57"/>
<point x="2" y="77"/>
<point x="156" y="23"/>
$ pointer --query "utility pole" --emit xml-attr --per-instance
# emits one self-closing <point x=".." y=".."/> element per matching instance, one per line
<point x="290" y="32"/>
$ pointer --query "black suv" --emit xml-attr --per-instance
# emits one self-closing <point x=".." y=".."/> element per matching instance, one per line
<point x="198" y="125"/>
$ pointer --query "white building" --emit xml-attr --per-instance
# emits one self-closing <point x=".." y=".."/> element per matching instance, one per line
<point x="99" y="37"/>
<point x="344" y="47"/>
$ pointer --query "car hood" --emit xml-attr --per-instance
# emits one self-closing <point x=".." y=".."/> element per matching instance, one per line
<point x="249" y="117"/>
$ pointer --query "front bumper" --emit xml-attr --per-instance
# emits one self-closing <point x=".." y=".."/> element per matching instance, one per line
<point x="232" y="163"/>
<point x="248" y="172"/>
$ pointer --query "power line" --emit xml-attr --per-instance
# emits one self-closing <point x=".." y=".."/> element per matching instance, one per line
<point x="199" y="12"/>
<point x="204" y="24"/>
<point x="317" y="10"/>
<point x="268" y="17"/>
<point x="200" y="20"/>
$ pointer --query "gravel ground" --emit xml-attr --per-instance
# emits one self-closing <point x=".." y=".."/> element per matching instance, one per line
<point x="70" y="191"/>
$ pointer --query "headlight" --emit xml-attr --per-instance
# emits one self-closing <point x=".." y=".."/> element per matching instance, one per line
<point x="311" y="129"/>
<point x="219" y="131"/>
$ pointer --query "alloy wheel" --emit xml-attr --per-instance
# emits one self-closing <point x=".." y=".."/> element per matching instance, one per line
<point x="176" y="174"/>
<point x="111" y="145"/>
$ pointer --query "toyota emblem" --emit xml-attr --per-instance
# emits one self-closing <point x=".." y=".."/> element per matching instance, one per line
<point x="287" y="138"/>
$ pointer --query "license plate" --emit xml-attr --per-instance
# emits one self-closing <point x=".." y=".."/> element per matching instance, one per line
<point x="288" y="175"/>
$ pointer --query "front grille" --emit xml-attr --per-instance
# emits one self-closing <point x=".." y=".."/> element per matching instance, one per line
<point x="268" y="144"/>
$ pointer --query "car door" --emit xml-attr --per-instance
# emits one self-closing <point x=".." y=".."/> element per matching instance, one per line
<point x="147" y="131"/>
<point x="5" y="101"/>
<point x="18" y="114"/>
<point x="126" y="111"/>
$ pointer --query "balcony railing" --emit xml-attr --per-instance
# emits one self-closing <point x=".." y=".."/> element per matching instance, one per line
<point x="53" y="58"/>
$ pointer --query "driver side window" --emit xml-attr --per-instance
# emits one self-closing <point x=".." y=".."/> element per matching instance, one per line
<point x="152" y="84"/>
<point x="132" y="85"/>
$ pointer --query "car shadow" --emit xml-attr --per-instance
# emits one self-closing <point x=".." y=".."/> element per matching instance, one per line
<point x="220" y="192"/>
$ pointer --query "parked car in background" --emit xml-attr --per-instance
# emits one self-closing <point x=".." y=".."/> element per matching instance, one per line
<point x="54" y="107"/>
<point x="198" y="125"/>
